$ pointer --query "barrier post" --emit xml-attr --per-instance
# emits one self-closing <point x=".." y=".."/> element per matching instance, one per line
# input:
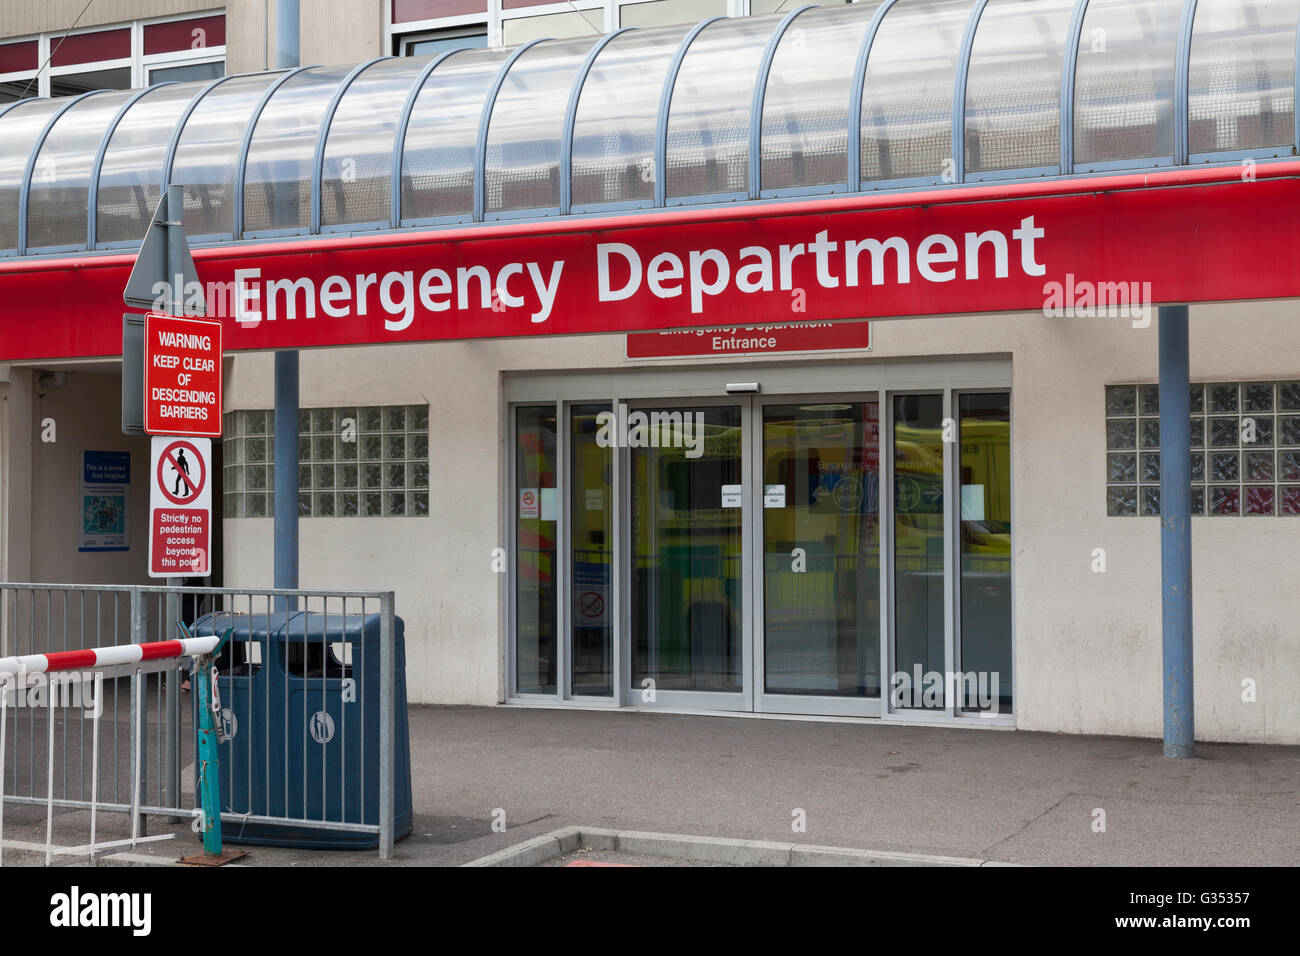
<point x="208" y="755"/>
<point x="209" y="793"/>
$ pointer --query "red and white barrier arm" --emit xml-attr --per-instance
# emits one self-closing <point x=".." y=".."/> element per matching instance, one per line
<point x="107" y="656"/>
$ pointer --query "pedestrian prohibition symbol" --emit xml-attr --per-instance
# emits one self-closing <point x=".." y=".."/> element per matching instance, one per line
<point x="180" y="507"/>
<point x="185" y="472"/>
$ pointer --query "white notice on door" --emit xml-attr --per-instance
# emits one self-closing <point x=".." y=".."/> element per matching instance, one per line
<point x="550" y="503"/>
<point x="972" y="502"/>
<point x="774" y="496"/>
<point x="595" y="499"/>
<point x="731" y="495"/>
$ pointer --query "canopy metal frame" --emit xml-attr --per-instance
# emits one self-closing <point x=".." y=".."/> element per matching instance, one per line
<point x="24" y="194"/>
<point x="318" y="162"/>
<point x="852" y="182"/>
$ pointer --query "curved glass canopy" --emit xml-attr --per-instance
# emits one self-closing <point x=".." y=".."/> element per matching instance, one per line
<point x="875" y="95"/>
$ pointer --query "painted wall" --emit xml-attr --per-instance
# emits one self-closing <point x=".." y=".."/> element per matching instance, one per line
<point x="333" y="32"/>
<point x="1087" y="645"/>
<point x="87" y="415"/>
<point x="41" y="502"/>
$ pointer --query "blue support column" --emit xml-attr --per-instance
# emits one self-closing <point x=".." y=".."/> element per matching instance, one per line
<point x="286" y="372"/>
<point x="1176" y="533"/>
<point x="286" y="469"/>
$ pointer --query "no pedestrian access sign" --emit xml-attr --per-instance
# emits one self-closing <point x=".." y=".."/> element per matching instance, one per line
<point x="182" y="376"/>
<point x="180" y="507"/>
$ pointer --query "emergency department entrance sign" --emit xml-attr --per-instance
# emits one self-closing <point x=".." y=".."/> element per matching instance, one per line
<point x="180" y="507"/>
<point x="182" y="376"/>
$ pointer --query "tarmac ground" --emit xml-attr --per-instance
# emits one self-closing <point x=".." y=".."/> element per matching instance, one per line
<point x="992" y="795"/>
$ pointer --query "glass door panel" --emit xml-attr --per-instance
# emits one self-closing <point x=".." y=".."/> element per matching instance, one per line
<point x="591" y="510"/>
<point x="686" y="531"/>
<point x="821" y="549"/>
<point x="536" y="513"/>
<point x="918" y="524"/>
<point x="985" y="585"/>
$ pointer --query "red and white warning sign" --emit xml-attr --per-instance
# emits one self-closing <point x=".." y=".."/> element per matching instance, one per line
<point x="182" y="376"/>
<point x="529" y="503"/>
<point x="180" y="507"/>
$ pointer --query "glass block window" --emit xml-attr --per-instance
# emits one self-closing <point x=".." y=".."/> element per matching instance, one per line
<point x="357" y="461"/>
<point x="1245" y="449"/>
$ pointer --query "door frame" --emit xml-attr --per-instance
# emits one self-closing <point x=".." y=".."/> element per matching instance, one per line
<point x="781" y="382"/>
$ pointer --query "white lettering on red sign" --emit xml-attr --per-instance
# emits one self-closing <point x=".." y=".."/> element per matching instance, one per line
<point x="622" y="269"/>
<point x="182" y="376"/>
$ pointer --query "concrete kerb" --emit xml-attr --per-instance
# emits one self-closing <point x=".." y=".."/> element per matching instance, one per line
<point x="558" y="843"/>
<point x="21" y="853"/>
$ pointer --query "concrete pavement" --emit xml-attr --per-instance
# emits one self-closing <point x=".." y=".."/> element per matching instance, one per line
<point x="997" y="795"/>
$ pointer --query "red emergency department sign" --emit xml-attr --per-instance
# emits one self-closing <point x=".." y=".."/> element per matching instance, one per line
<point x="182" y="376"/>
<point x="180" y="507"/>
<point x="1115" y="245"/>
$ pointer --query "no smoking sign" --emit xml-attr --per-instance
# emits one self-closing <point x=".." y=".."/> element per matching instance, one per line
<point x="180" y="507"/>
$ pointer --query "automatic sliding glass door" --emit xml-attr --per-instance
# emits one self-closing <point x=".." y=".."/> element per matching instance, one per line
<point x="535" y="566"/>
<point x="842" y="555"/>
<point x="984" y="608"/>
<point x="687" y="568"/>
<point x="919" y="547"/>
<point x="818" y="504"/>
<point x="591" y="523"/>
<point x="951" y="551"/>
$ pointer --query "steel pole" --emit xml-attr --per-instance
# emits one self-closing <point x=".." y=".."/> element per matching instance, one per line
<point x="387" y="721"/>
<point x="175" y="217"/>
<point x="286" y="469"/>
<point x="286" y="375"/>
<point x="1176" y="533"/>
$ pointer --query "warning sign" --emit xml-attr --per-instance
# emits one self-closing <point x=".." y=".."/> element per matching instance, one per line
<point x="591" y="587"/>
<point x="529" y="503"/>
<point x="182" y="376"/>
<point x="180" y="507"/>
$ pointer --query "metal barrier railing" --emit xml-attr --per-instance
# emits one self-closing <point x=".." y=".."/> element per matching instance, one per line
<point x="297" y="754"/>
<point x="59" y="668"/>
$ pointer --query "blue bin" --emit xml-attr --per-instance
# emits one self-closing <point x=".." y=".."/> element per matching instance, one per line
<point x="301" y="715"/>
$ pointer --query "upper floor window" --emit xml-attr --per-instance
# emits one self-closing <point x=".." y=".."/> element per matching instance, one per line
<point x="420" y="27"/>
<point x="441" y="41"/>
<point x="121" y="57"/>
